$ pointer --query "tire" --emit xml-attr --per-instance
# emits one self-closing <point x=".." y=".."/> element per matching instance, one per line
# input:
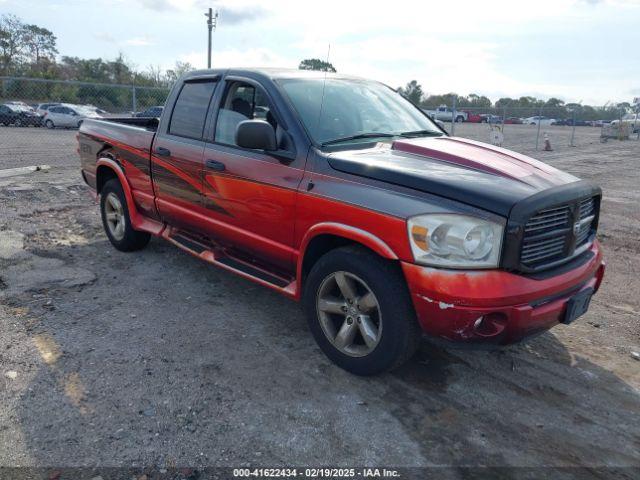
<point x="19" y="123"/>
<point x="459" y="119"/>
<point x="116" y="220"/>
<point x="397" y="333"/>
<point x="49" y="124"/>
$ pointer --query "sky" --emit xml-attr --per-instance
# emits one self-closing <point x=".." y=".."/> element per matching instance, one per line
<point x="578" y="50"/>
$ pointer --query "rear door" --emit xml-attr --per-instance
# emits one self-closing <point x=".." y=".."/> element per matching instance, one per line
<point x="176" y="157"/>
<point x="60" y="116"/>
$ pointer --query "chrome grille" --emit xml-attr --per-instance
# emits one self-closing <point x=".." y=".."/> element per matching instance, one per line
<point x="586" y="212"/>
<point x="549" y="235"/>
<point x="548" y="220"/>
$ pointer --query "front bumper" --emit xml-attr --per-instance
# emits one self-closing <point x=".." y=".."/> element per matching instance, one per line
<point x="494" y="305"/>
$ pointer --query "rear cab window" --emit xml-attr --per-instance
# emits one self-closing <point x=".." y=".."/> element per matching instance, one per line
<point x="190" y="110"/>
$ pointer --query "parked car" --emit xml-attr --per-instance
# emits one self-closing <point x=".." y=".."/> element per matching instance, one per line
<point x="541" y="120"/>
<point x="447" y="114"/>
<point x="67" y="116"/>
<point x="473" y="117"/>
<point x="489" y="118"/>
<point x="360" y="207"/>
<point x="19" y="104"/>
<point x="513" y="121"/>
<point x="151" y="112"/>
<point x="42" y="108"/>
<point x="631" y="119"/>
<point x="95" y="109"/>
<point x="569" y="122"/>
<point x="20" y="115"/>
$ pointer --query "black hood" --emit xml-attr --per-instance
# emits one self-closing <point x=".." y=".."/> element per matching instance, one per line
<point x="480" y="175"/>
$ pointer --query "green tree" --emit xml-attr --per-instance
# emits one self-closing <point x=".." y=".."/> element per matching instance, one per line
<point x="12" y="32"/>
<point x="316" y="64"/>
<point x="179" y="70"/>
<point x="412" y="92"/>
<point x="40" y="43"/>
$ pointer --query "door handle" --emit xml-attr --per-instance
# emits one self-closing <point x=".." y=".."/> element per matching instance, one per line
<point x="163" y="152"/>
<point x="215" y="165"/>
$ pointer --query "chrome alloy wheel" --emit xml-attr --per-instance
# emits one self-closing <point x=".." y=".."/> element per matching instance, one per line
<point x="114" y="214"/>
<point x="349" y="314"/>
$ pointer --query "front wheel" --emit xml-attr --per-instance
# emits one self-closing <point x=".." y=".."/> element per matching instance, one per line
<point x="49" y="124"/>
<point x="360" y="312"/>
<point x="459" y="119"/>
<point x="116" y="220"/>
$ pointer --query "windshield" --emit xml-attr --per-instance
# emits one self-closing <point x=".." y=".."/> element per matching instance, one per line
<point x="353" y="108"/>
<point x="85" y="110"/>
<point x="20" y="108"/>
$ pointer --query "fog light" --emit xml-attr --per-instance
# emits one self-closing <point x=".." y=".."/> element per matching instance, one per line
<point x="490" y="325"/>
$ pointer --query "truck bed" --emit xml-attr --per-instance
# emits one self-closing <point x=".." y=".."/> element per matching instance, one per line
<point x="128" y="141"/>
<point x="148" y="123"/>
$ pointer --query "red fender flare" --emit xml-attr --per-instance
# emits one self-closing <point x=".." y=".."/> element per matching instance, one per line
<point x="345" y="231"/>
<point x="138" y="221"/>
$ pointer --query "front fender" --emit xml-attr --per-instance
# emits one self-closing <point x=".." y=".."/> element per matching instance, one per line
<point x="357" y="235"/>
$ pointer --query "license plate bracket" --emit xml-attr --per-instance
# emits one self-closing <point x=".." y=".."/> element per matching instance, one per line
<point x="577" y="305"/>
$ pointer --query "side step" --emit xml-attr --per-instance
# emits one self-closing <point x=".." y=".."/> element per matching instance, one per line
<point x="211" y="253"/>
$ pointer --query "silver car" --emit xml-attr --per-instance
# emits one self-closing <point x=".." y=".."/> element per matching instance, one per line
<point x="68" y="116"/>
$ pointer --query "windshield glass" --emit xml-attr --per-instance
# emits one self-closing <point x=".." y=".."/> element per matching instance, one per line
<point x="20" y="108"/>
<point x="353" y="107"/>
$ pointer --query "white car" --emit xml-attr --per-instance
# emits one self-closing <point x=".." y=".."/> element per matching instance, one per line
<point x="446" y="114"/>
<point x="632" y="119"/>
<point x="67" y="115"/>
<point x="42" y="108"/>
<point x="543" y="121"/>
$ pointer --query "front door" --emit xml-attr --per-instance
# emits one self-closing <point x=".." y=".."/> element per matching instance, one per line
<point x="250" y="195"/>
<point x="176" y="157"/>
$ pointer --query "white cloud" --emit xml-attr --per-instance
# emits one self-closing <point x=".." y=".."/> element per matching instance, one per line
<point x="252" y="57"/>
<point x="139" y="42"/>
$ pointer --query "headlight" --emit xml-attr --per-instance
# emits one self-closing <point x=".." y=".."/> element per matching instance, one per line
<point x="455" y="241"/>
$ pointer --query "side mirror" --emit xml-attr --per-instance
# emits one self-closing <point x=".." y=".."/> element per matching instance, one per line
<point x="256" y="134"/>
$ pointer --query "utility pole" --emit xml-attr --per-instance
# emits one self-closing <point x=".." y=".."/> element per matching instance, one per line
<point x="212" y="21"/>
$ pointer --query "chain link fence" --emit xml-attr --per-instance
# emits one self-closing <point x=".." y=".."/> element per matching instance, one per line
<point x="37" y="117"/>
<point x="538" y="127"/>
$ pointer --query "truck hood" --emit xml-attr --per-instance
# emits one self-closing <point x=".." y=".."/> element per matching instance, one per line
<point x="475" y="173"/>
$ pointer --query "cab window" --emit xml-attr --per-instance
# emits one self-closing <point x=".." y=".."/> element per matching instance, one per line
<point x="190" y="110"/>
<point x="242" y="101"/>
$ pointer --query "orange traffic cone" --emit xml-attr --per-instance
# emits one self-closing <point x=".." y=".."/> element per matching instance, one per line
<point x="547" y="143"/>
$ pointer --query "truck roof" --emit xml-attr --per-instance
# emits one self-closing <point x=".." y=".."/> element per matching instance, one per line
<point x="269" y="73"/>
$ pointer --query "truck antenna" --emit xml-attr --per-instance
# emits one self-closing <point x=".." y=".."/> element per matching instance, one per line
<point x="324" y="83"/>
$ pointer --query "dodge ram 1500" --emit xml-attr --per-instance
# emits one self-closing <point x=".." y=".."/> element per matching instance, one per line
<point x="338" y="192"/>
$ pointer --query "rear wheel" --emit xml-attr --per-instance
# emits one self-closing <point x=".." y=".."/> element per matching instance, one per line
<point x="459" y="119"/>
<point x="360" y="312"/>
<point x="116" y="220"/>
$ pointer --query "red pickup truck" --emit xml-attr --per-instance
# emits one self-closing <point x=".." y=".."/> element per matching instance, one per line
<point x="338" y="192"/>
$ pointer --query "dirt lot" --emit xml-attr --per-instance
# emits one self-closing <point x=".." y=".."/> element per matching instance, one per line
<point x="155" y="358"/>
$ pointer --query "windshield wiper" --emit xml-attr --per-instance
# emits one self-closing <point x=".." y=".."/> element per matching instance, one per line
<point x="419" y="133"/>
<point x="356" y="137"/>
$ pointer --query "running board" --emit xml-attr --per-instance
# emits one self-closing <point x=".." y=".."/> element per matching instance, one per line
<point x="217" y="256"/>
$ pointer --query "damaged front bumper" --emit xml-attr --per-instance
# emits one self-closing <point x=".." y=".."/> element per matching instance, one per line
<point x="493" y="305"/>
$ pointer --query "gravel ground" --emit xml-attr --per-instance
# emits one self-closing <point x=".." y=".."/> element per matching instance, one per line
<point x="155" y="358"/>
